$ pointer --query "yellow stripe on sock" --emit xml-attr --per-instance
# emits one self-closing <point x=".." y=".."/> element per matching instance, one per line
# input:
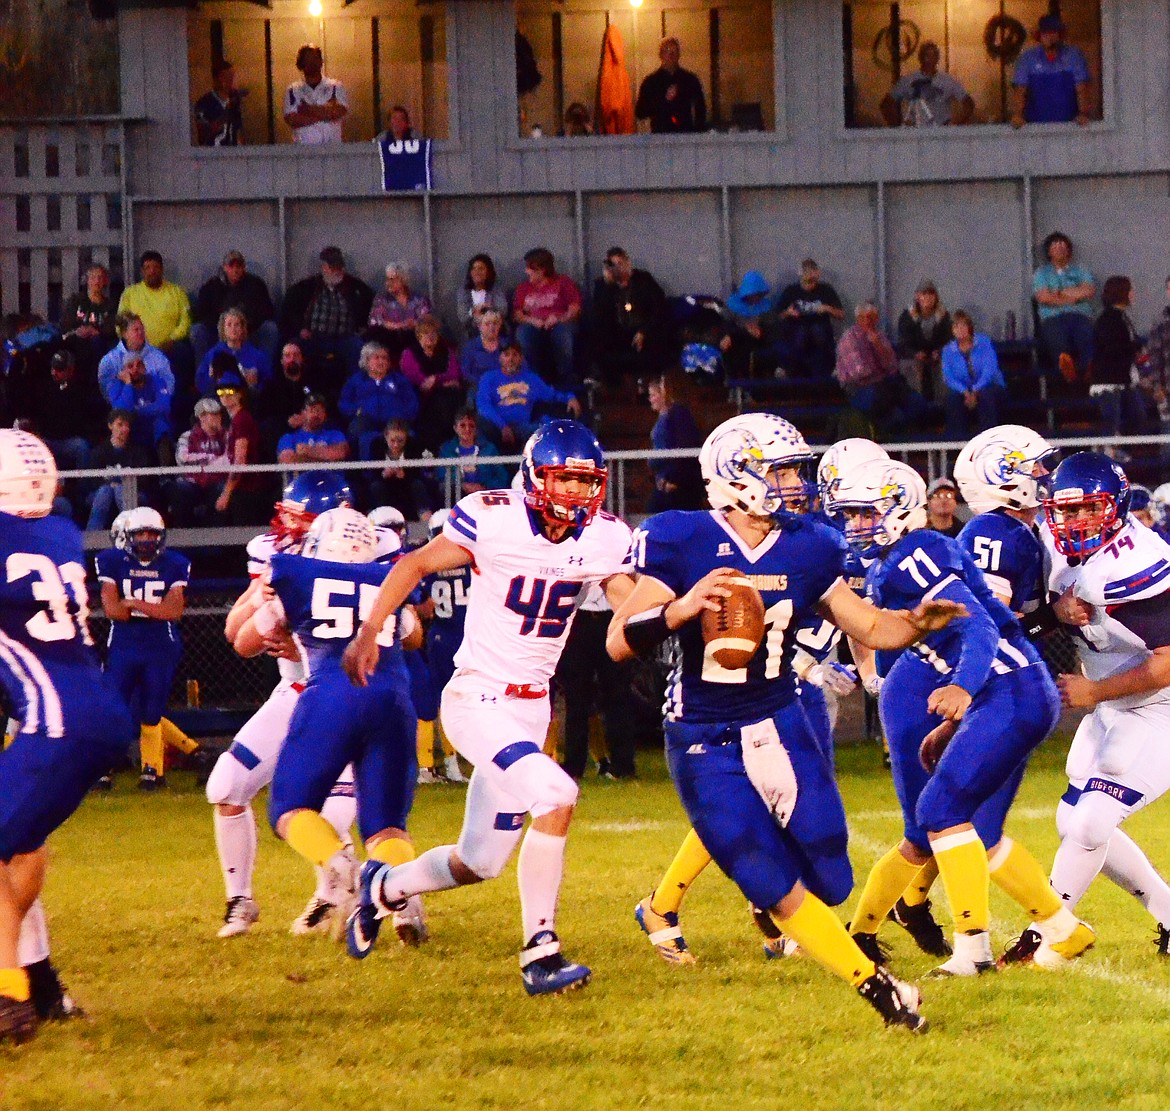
<point x="962" y="863"/>
<point x="686" y="867"/>
<point x="1019" y="875"/>
<point x="820" y="933"/>
<point x="312" y="836"/>
<point x="393" y="851"/>
<point x="919" y="890"/>
<point x="887" y="880"/>
<point x="151" y="747"/>
<point x="14" y="983"/>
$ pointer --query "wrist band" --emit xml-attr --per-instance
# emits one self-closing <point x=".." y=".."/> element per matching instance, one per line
<point x="646" y="631"/>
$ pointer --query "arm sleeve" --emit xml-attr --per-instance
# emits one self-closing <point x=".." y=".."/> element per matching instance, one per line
<point x="183" y="304"/>
<point x="462" y="524"/>
<point x="954" y="368"/>
<point x="978" y="637"/>
<point x="986" y="366"/>
<point x="350" y="400"/>
<point x="486" y="399"/>
<point x="121" y="395"/>
<point x="1080" y="66"/>
<point x="655" y="550"/>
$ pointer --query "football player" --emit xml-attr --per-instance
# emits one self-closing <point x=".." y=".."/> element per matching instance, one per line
<point x="534" y="555"/>
<point x="73" y="724"/>
<point x="755" y="784"/>
<point x="1111" y="578"/>
<point x="1141" y="505"/>
<point x="963" y="709"/>
<point x="245" y="769"/>
<point x="1160" y="505"/>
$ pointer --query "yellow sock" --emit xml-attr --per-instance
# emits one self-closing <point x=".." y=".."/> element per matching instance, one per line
<point x="962" y="863"/>
<point x="312" y="836"/>
<point x="819" y="932"/>
<point x="151" y="747"/>
<point x="424" y="738"/>
<point x="887" y="879"/>
<point x="447" y="747"/>
<point x="552" y="740"/>
<point x="686" y="867"/>
<point x="14" y="983"/>
<point x="1019" y="875"/>
<point x="916" y="894"/>
<point x="598" y="749"/>
<point x="174" y="737"/>
<point x="393" y="850"/>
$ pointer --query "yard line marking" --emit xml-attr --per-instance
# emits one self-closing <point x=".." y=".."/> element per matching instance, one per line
<point x="1020" y="813"/>
<point x="626" y="827"/>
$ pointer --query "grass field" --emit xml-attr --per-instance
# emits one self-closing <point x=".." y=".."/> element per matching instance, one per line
<point x="180" y="1019"/>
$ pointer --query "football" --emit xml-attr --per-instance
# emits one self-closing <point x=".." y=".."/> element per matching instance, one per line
<point x="734" y="633"/>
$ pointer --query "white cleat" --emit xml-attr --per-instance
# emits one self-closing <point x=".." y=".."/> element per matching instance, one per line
<point x="410" y="923"/>
<point x="339" y="884"/>
<point x="452" y="771"/>
<point x="239" y="917"/>
<point x="972" y="956"/>
<point x="316" y="918"/>
<point x="427" y="777"/>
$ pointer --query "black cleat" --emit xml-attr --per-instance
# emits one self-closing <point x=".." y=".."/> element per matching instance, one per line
<point x="49" y="996"/>
<point x="919" y="923"/>
<point x="104" y="783"/>
<point x="18" y="1019"/>
<point x="1163" y="940"/>
<point x="1022" y="950"/>
<point x="877" y="951"/>
<point x="151" y="780"/>
<point x="897" y="1002"/>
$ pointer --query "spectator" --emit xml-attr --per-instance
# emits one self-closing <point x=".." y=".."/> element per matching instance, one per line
<point x="313" y="442"/>
<point x="750" y="344"/>
<point x="106" y="502"/>
<point x="398" y="126"/>
<point x="132" y="333"/>
<point x="396" y="311"/>
<point x="546" y="308"/>
<point x="192" y="497"/>
<point x="63" y="410"/>
<point x="671" y="98"/>
<point x="678" y="483"/>
<point x="482" y="354"/>
<point x="234" y="288"/>
<point x="405" y="488"/>
<point x="469" y="445"/>
<point x="148" y="398"/>
<point x="480" y="294"/>
<point x="1051" y="83"/>
<point x="88" y="321"/>
<point x="942" y="505"/>
<point x="1116" y="348"/>
<point x="244" y="498"/>
<point x="577" y="121"/>
<point x="507" y="400"/>
<point x="630" y="326"/>
<point x="429" y="364"/>
<point x="223" y="364"/>
<point x="284" y="400"/>
<point x="315" y="107"/>
<point x="868" y="371"/>
<point x="166" y="315"/>
<point x="974" y="383"/>
<point x="924" y="329"/>
<point x="1156" y="373"/>
<point x="807" y="309"/>
<point x="928" y="98"/>
<point x="374" y="396"/>
<point x="325" y="312"/>
<point x="1064" y="293"/>
<point x="254" y="365"/>
<point x="218" y="120"/>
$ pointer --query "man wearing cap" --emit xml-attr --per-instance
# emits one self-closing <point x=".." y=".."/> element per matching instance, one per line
<point x="218" y="122"/>
<point x="245" y="497"/>
<point x="1051" y="83"/>
<point x="233" y="287"/>
<point x="942" y="503"/>
<point x="192" y="497"/>
<point x="313" y="442"/>
<point x="807" y="309"/>
<point x="315" y="107"/>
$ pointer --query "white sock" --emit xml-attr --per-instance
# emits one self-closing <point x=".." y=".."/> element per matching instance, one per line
<point x="340" y="811"/>
<point x="429" y="872"/>
<point x="33" y="943"/>
<point x="235" y="841"/>
<point x="1074" y="868"/>
<point x="1128" y="867"/>
<point x="539" y="872"/>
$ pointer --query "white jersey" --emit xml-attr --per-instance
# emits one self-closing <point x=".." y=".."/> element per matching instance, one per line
<point x="525" y="590"/>
<point x="260" y="550"/>
<point x="1127" y="582"/>
<point x="324" y="131"/>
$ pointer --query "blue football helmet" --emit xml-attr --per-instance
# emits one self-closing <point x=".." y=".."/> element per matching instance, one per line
<point x="305" y="497"/>
<point x="1088" y="503"/>
<point x="559" y="450"/>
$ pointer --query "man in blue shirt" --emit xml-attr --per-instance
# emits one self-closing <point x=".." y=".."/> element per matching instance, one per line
<point x="1051" y="81"/>
<point x="313" y="442"/>
<point x="1064" y="293"/>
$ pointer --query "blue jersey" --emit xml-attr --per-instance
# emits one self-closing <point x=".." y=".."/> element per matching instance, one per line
<point x="794" y="567"/>
<point x="1009" y="554"/>
<point x="449" y="591"/>
<point x="147" y="582"/>
<point x="818" y="636"/>
<point x="325" y="603"/>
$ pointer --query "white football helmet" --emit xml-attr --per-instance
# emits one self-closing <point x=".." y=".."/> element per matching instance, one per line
<point x="843" y="456"/>
<point x="895" y="492"/>
<point x="1160" y="504"/>
<point x="341" y="535"/>
<point x="118" y="537"/>
<point x="995" y="470"/>
<point x="437" y="521"/>
<point x="738" y="458"/>
<point x="28" y="474"/>
<point x="146" y="533"/>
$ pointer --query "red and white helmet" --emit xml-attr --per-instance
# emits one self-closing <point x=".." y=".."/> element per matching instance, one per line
<point x="28" y="474"/>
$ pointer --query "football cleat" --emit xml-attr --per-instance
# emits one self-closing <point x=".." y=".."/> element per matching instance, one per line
<point x="1163" y="940"/>
<point x="49" y="996"/>
<point x="316" y="918"/>
<point x="1055" y="955"/>
<point x="972" y="956"/>
<point x="1022" y="950"/>
<point x="410" y="923"/>
<point x="452" y="772"/>
<point x="545" y="970"/>
<point x="364" y="924"/>
<point x="151" y="780"/>
<point x="777" y="945"/>
<point x="339" y="882"/>
<point x="919" y="923"/>
<point x="961" y="966"/>
<point x="104" y="783"/>
<point x="428" y="777"/>
<point x="897" y="1002"/>
<point x="663" y="932"/>
<point x="876" y="950"/>
<point x="239" y="917"/>
<point x="18" y="1019"/>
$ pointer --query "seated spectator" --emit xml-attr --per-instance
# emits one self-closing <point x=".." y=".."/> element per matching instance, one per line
<point x="924" y="329"/>
<point x="132" y="333"/>
<point x="1052" y="81"/>
<point x="234" y="288"/>
<point x="1116" y="350"/>
<point x="806" y="310"/>
<point x="973" y="381"/>
<point x="376" y="395"/>
<point x="88" y="320"/>
<point x="508" y="400"/>
<point x="223" y="364"/>
<point x="481" y="354"/>
<point x="928" y="98"/>
<point x="245" y="498"/>
<point x="750" y="346"/>
<point x="678" y="483"/>
<point x="469" y="445"/>
<point x="480" y="294"/>
<point x="192" y="497"/>
<point x="148" y="398"/>
<point x="546" y="309"/>
<point x="284" y="400"/>
<point x="1155" y="373"/>
<point x="409" y="489"/>
<point x="631" y="333"/>
<point x="396" y="311"/>
<point x="430" y="366"/>
<point x="942" y="504"/>
<point x="325" y="312"/>
<point x="166" y="314"/>
<point x="254" y="365"/>
<point x="577" y="121"/>
<point x="1064" y="294"/>
<point x="313" y="442"/>
<point x="65" y="409"/>
<point x="106" y="502"/>
<point x="868" y="371"/>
